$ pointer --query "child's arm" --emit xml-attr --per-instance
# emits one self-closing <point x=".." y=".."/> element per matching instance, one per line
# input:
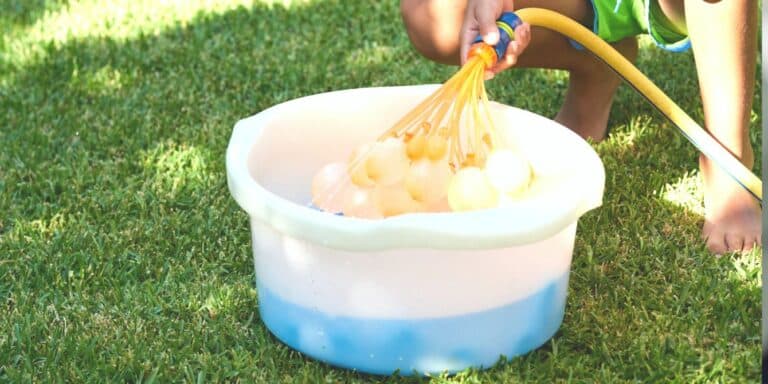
<point x="480" y="19"/>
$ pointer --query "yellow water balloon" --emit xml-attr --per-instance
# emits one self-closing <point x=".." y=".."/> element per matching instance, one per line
<point x="470" y="189"/>
<point x="427" y="181"/>
<point x="508" y="172"/>
<point x="360" y="202"/>
<point x="395" y="200"/>
<point x="329" y="187"/>
<point x="414" y="148"/>
<point x="436" y="147"/>
<point x="388" y="162"/>
<point x="356" y="166"/>
<point x="441" y="205"/>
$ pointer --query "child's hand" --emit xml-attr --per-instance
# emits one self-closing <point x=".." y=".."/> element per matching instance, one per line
<point x="480" y="18"/>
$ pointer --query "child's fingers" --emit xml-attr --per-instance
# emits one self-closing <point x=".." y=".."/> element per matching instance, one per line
<point x="468" y="34"/>
<point x="463" y="46"/>
<point x="480" y="19"/>
<point x="506" y="62"/>
<point x="515" y="48"/>
<point x="486" y="22"/>
<point x="523" y="36"/>
<point x="518" y="45"/>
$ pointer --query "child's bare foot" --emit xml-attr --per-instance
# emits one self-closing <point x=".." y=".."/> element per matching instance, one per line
<point x="732" y="215"/>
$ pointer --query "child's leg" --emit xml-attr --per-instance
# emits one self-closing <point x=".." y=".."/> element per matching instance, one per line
<point x="724" y="41"/>
<point x="433" y="26"/>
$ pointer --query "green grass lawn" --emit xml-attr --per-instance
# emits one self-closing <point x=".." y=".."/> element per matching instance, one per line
<point x="123" y="257"/>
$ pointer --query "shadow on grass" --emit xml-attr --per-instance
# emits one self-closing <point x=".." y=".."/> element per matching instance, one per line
<point x="22" y="13"/>
<point x="100" y="127"/>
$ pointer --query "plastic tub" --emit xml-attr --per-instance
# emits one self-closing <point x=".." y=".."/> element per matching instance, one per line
<point x="425" y="292"/>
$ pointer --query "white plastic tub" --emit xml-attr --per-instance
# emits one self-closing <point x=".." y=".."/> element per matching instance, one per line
<point x="426" y="292"/>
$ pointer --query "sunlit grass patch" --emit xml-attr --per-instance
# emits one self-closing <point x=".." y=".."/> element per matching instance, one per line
<point x="747" y="268"/>
<point x="113" y="19"/>
<point x="174" y="168"/>
<point x="627" y="137"/>
<point x="685" y="192"/>
<point x="371" y="54"/>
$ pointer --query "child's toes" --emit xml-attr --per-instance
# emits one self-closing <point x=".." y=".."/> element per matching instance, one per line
<point x="734" y="242"/>
<point x="715" y="240"/>
<point x="752" y="241"/>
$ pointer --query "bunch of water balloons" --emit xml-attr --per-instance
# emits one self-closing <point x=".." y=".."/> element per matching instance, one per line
<point x="444" y="155"/>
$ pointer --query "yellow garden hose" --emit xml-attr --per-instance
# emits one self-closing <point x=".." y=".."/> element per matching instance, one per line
<point x="690" y="129"/>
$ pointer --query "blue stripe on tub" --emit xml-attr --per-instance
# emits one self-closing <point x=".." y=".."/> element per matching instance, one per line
<point x="425" y="345"/>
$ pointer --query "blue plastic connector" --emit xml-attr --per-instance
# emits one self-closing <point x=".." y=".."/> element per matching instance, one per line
<point x="507" y="24"/>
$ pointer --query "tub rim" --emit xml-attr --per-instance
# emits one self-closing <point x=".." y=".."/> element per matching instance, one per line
<point x="499" y="229"/>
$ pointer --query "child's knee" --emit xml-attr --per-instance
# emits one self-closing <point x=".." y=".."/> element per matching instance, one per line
<point x="433" y="27"/>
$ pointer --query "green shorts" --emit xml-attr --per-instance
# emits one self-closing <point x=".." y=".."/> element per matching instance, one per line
<point x="618" y="19"/>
